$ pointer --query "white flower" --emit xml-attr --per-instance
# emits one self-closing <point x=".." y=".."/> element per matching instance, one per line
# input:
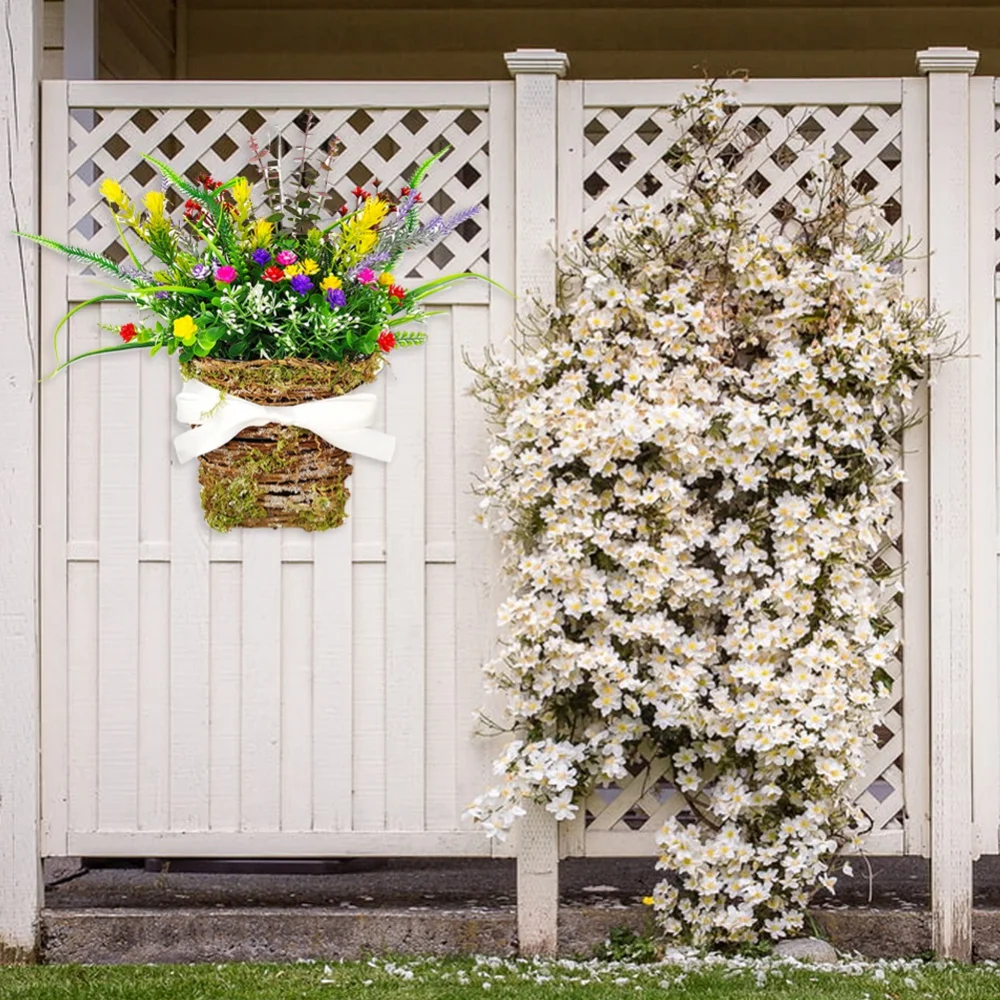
<point x="690" y="483"/>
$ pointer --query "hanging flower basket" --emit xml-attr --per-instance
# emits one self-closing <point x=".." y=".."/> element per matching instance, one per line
<point x="277" y="475"/>
<point x="279" y="313"/>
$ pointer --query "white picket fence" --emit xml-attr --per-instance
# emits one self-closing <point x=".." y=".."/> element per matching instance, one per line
<point x="271" y="693"/>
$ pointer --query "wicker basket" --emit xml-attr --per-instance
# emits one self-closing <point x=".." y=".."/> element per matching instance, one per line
<point x="276" y="476"/>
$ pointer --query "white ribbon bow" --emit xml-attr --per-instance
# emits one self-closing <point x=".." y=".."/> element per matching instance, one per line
<point x="344" y="421"/>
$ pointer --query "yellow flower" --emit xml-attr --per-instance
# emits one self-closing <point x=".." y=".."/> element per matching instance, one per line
<point x="112" y="190"/>
<point x="185" y="330"/>
<point x="241" y="190"/>
<point x="385" y="278"/>
<point x="309" y="266"/>
<point x="373" y="213"/>
<point x="330" y="281"/>
<point x="154" y="202"/>
<point x="262" y="232"/>
<point x="648" y="901"/>
<point x="292" y="270"/>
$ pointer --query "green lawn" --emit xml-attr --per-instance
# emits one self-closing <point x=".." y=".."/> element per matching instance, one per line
<point x="426" y="979"/>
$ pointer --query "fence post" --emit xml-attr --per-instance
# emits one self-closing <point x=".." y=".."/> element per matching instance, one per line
<point x="535" y="73"/>
<point x="948" y="70"/>
<point x="20" y="869"/>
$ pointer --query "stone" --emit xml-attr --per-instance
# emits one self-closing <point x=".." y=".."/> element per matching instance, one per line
<point x="809" y="949"/>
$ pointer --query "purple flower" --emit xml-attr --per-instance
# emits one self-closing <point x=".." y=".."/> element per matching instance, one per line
<point x="285" y="257"/>
<point x="335" y="297"/>
<point x="261" y="257"/>
<point x="225" y="274"/>
<point x="161" y="295"/>
<point x="302" y="284"/>
<point x="366" y="276"/>
<point x="200" y="271"/>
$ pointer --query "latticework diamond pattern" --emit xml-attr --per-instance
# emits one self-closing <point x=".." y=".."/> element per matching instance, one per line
<point x="626" y="161"/>
<point x="378" y="144"/>
<point x="627" y="152"/>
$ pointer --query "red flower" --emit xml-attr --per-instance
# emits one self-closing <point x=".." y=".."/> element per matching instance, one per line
<point x="127" y="332"/>
<point x="360" y="193"/>
<point x="192" y="210"/>
<point x="206" y="181"/>
<point x="397" y="292"/>
<point x="273" y="274"/>
<point x="343" y="210"/>
<point x="387" y="340"/>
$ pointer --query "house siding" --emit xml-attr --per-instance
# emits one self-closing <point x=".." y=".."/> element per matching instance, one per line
<point x="389" y="40"/>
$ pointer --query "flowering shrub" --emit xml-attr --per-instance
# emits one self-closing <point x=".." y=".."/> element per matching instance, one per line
<point x="226" y="282"/>
<point x="693" y="467"/>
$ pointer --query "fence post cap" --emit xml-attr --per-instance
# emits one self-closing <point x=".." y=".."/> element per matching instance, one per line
<point x="537" y="61"/>
<point x="947" y="59"/>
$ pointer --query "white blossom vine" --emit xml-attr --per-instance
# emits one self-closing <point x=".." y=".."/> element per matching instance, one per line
<point x="693" y="467"/>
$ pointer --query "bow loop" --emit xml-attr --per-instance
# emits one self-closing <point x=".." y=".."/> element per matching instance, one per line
<point x="343" y="421"/>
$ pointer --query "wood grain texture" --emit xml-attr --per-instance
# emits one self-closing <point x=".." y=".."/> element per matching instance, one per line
<point x="950" y="524"/>
<point x="983" y="315"/>
<point x="536" y="118"/>
<point x="20" y="882"/>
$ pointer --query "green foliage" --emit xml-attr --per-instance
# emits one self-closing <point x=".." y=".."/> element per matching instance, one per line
<point x="78" y="253"/>
<point x="233" y="285"/>
<point x="624" y="945"/>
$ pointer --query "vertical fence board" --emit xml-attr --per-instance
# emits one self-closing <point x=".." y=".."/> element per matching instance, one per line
<point x="226" y="690"/>
<point x="81" y="667"/>
<point x="261" y="720"/>
<point x="190" y="634"/>
<point x="82" y="612"/>
<point x="368" y="689"/>
<point x="983" y="486"/>
<point x="333" y="688"/>
<point x="916" y="528"/>
<point x="476" y="587"/>
<point x="439" y="430"/>
<point x="446" y="726"/>
<point x="367" y="485"/>
<point x="296" y="695"/>
<point x="118" y="586"/>
<point x="154" y="697"/>
<point x="405" y="597"/>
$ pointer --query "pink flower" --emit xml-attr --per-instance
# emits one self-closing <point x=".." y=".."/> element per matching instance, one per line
<point x="226" y="274"/>
<point x="285" y="257"/>
<point x="366" y="276"/>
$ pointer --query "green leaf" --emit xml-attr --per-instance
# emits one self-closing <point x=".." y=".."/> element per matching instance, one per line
<point x="153" y="289"/>
<point x="430" y="287"/>
<point x="117" y="297"/>
<point x="421" y="172"/>
<point x="78" y="253"/>
<point x="208" y="198"/>
<point x="130" y="346"/>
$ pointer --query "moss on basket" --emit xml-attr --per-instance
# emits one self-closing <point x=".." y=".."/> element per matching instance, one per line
<point x="325" y="509"/>
<point x="237" y="498"/>
<point x="287" y="380"/>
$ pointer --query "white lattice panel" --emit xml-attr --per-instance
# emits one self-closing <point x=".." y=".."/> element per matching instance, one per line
<point x="626" y="151"/>
<point x="625" y="156"/>
<point x="382" y="144"/>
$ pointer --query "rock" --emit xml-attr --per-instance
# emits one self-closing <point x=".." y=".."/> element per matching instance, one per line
<point x="808" y="949"/>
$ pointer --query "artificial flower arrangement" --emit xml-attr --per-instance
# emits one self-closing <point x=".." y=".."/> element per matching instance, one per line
<point x="693" y="469"/>
<point x="277" y="320"/>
